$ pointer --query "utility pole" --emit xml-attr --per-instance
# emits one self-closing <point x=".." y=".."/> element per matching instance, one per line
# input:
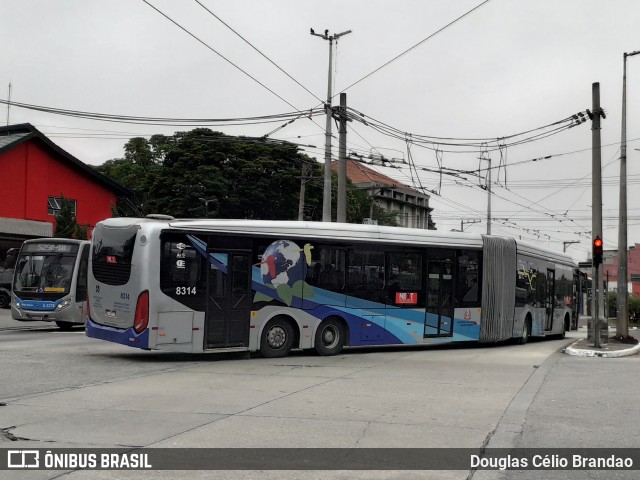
<point x="326" y="195"/>
<point x="622" y="320"/>
<point x="489" y="198"/>
<point x="303" y="188"/>
<point x="342" y="160"/>
<point x="596" y="206"/>
<point x="8" y="104"/>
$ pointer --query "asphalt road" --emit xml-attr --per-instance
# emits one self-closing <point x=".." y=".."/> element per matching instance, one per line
<point x="61" y="389"/>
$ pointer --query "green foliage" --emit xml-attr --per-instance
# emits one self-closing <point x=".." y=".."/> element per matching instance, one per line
<point x="633" y="307"/>
<point x="66" y="223"/>
<point x="205" y="173"/>
<point x="202" y="173"/>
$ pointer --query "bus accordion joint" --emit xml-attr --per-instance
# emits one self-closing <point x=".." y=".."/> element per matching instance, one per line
<point x="141" y="320"/>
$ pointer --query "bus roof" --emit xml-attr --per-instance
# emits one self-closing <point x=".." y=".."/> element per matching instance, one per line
<point x="334" y="231"/>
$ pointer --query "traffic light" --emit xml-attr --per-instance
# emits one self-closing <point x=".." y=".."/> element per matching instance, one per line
<point x="597" y="251"/>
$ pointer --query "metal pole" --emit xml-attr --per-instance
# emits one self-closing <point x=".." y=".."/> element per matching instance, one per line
<point x="489" y="198"/>
<point x="622" y="320"/>
<point x="326" y="195"/>
<point x="596" y="208"/>
<point x="342" y="161"/>
<point x="9" y="104"/>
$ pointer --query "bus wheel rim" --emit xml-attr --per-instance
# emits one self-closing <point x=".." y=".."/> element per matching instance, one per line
<point x="330" y="336"/>
<point x="276" y="336"/>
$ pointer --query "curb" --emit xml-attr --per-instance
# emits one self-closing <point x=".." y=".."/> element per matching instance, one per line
<point x="581" y="352"/>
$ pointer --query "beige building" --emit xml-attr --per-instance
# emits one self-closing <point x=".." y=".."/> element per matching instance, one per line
<point x="412" y="206"/>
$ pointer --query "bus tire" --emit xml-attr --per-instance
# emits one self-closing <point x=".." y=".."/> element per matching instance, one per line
<point x="526" y="331"/>
<point x="66" y="326"/>
<point x="330" y="337"/>
<point x="566" y="325"/>
<point x="5" y="299"/>
<point x="277" y="338"/>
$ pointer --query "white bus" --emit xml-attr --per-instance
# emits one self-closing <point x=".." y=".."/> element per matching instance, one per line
<point x="50" y="282"/>
<point x="272" y="286"/>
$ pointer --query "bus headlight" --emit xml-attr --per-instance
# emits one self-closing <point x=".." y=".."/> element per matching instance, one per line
<point x="16" y="304"/>
<point x="64" y="304"/>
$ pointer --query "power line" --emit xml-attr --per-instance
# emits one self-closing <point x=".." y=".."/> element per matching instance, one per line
<point x="257" y="50"/>
<point x="165" y="121"/>
<point x="219" y="54"/>
<point x="416" y="45"/>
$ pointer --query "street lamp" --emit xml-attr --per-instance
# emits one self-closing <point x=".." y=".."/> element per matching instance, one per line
<point x="206" y="205"/>
<point x="326" y="195"/>
<point x="622" y="321"/>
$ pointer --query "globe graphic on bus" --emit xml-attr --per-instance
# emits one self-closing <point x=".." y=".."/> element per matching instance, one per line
<point x="283" y="263"/>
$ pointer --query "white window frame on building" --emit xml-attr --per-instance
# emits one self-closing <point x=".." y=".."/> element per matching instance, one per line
<point x="53" y="207"/>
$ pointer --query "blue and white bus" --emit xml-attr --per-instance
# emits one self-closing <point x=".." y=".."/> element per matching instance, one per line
<point x="272" y="286"/>
<point x="50" y="282"/>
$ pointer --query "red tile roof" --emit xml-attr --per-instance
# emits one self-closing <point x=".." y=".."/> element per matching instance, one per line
<point x="359" y="173"/>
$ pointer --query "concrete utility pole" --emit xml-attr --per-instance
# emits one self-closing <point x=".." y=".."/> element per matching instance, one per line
<point x="303" y="191"/>
<point x="622" y="321"/>
<point x="342" y="161"/>
<point x="596" y="207"/>
<point x="326" y="195"/>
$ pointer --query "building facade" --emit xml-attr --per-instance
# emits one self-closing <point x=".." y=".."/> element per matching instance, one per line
<point x="36" y="174"/>
<point x="412" y="206"/>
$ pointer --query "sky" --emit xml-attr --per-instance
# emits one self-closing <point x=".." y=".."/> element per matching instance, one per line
<point x="506" y="67"/>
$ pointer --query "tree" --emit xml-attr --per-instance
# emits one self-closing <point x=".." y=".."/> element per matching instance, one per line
<point x="202" y="172"/>
<point x="66" y="224"/>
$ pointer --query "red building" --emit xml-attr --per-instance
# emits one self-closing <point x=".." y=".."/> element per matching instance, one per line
<point x="35" y="174"/>
<point x="609" y="268"/>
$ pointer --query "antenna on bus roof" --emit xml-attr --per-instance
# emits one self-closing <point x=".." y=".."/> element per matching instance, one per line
<point x="159" y="216"/>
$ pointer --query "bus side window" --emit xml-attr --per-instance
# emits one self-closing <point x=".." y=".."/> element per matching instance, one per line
<point x="327" y="268"/>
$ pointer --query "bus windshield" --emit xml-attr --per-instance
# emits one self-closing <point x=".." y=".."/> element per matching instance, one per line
<point x="51" y="273"/>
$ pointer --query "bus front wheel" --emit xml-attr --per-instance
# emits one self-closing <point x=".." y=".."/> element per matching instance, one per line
<point x="277" y="338"/>
<point x="330" y="337"/>
<point x="66" y="326"/>
<point x="5" y="299"/>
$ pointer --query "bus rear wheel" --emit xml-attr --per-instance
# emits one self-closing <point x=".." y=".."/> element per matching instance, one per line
<point x="330" y="337"/>
<point x="525" y="332"/>
<point x="66" y="326"/>
<point x="277" y="338"/>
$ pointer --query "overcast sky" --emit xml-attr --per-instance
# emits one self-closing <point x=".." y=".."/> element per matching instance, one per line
<point x="507" y="67"/>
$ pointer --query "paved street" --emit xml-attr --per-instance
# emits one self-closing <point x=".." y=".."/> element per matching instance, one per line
<point x="62" y="389"/>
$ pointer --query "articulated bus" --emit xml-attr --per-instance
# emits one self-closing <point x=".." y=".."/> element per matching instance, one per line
<point x="273" y="286"/>
<point x="50" y="282"/>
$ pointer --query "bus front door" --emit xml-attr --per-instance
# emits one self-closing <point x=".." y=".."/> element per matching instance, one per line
<point x="229" y="299"/>
<point x="550" y="300"/>
<point x="438" y="321"/>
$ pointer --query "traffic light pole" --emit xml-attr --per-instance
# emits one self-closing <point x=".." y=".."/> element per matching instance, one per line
<point x="596" y="206"/>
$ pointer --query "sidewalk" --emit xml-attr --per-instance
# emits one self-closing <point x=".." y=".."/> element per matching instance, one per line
<point x="613" y="348"/>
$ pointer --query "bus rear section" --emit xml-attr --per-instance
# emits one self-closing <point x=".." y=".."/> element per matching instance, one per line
<point x="50" y="282"/>
<point x="126" y="305"/>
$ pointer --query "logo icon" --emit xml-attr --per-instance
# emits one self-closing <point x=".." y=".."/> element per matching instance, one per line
<point x="23" y="458"/>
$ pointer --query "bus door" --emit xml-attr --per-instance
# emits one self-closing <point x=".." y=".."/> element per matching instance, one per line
<point x="229" y="299"/>
<point x="438" y="320"/>
<point x="550" y="299"/>
<point x="81" y="283"/>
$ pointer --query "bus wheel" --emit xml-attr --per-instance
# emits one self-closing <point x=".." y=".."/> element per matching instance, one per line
<point x="5" y="300"/>
<point x="330" y="337"/>
<point x="66" y="326"/>
<point x="277" y="338"/>
<point x="525" y="332"/>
